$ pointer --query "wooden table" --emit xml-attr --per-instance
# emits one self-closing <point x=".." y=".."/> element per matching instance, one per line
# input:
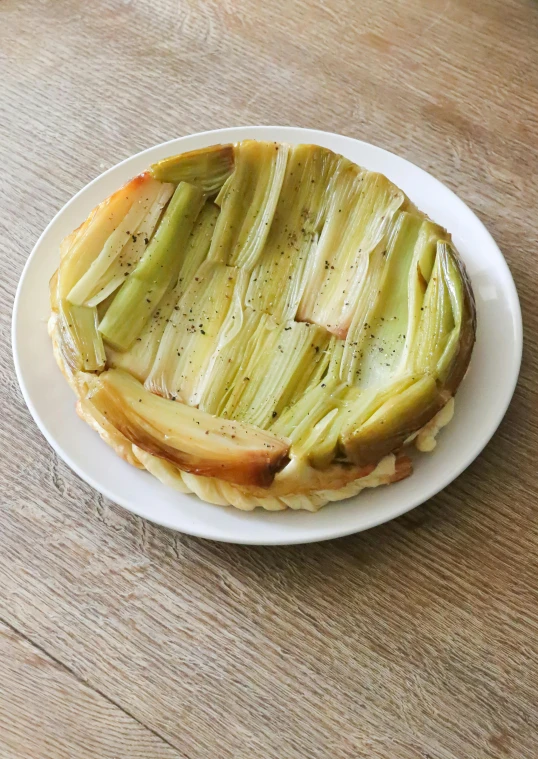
<point x="417" y="639"/>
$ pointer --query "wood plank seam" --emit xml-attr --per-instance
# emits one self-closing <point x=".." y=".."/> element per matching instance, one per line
<point x="90" y="686"/>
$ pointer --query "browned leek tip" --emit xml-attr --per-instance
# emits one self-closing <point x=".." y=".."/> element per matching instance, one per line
<point x="191" y="439"/>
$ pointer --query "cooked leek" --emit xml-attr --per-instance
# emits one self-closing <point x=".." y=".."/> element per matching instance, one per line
<point x="82" y="345"/>
<point x="124" y="247"/>
<point x="138" y="360"/>
<point x="280" y="362"/>
<point x="376" y="339"/>
<point x="207" y="168"/>
<point x="398" y="418"/>
<point x="282" y="304"/>
<point x="191" y="335"/>
<point x="248" y="201"/>
<point x="277" y="282"/>
<point x="192" y="439"/>
<point x="361" y="209"/>
<point x="139" y="297"/>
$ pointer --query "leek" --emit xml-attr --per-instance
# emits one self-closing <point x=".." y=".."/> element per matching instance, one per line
<point x="138" y="360"/>
<point x="139" y="297"/>
<point x="277" y="282"/>
<point x="242" y="305"/>
<point x="248" y="202"/>
<point x="82" y="345"/>
<point x="192" y="439"/>
<point x="207" y="168"/>
<point x="83" y="246"/>
<point x="191" y="334"/>
<point x="361" y="208"/>
<point x="124" y="247"/>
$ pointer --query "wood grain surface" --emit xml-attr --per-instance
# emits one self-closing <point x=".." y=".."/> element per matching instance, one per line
<point x="51" y="713"/>
<point x="417" y="639"/>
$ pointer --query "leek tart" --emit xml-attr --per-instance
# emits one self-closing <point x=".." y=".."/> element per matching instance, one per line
<point x="263" y="324"/>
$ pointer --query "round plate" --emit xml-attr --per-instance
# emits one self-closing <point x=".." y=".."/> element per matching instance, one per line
<point x="480" y="403"/>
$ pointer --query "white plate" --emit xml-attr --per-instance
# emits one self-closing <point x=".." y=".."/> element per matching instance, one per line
<point x="480" y="404"/>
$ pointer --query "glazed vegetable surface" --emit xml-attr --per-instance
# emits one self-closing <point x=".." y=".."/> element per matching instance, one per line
<point x="246" y="310"/>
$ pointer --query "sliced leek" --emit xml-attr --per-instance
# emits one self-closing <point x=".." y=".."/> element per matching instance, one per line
<point x="139" y="359"/>
<point x="139" y="297"/>
<point x="81" y="342"/>
<point x="280" y="362"/>
<point x="191" y="335"/>
<point x="263" y="324"/>
<point x="248" y="201"/>
<point x="277" y="282"/>
<point x="207" y="168"/>
<point x="83" y="246"/>
<point x="124" y="247"/>
<point x="361" y="209"/>
<point x="192" y="439"/>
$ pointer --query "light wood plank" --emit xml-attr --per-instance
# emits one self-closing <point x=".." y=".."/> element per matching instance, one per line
<point x="418" y="639"/>
<point x="46" y="713"/>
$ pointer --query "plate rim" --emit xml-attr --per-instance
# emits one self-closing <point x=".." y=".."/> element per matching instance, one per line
<point x="335" y="532"/>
